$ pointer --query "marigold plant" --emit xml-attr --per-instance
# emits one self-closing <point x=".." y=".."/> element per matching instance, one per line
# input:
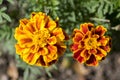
<point x="40" y="40"/>
<point x="90" y="45"/>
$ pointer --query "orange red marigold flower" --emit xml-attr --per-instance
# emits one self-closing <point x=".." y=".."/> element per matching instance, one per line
<point x="90" y="45"/>
<point x="40" y="40"/>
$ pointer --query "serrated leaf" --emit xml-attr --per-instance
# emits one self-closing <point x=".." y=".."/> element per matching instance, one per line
<point x="1" y="1"/>
<point x="4" y="15"/>
<point x="99" y="12"/>
<point x="106" y="8"/>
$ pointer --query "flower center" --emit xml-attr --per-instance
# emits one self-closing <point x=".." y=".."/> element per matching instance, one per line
<point x="40" y="37"/>
<point x="91" y="43"/>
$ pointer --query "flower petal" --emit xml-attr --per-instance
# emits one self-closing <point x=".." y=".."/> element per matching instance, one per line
<point x="74" y="47"/>
<point x="52" y="49"/>
<point x="40" y="61"/>
<point x="78" y="37"/>
<point x="100" y="54"/>
<point x="85" y="54"/>
<point x="58" y="33"/>
<point x="103" y="40"/>
<point x="43" y="51"/>
<point x="30" y="28"/>
<point x="77" y="53"/>
<point x="61" y="47"/>
<point x="52" y="40"/>
<point x="100" y="30"/>
<point x="51" y="25"/>
<point x="92" y="61"/>
<point x="86" y="27"/>
<point x="23" y="22"/>
<point x="19" y="49"/>
<point x="106" y="48"/>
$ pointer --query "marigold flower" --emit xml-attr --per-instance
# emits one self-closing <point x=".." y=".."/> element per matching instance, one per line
<point x="90" y="45"/>
<point x="40" y="40"/>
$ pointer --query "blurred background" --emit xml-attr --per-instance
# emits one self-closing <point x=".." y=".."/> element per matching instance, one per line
<point x="71" y="14"/>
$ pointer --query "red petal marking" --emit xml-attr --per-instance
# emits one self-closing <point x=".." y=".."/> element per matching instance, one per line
<point x="19" y="31"/>
<point x="30" y="57"/>
<point x="74" y="47"/>
<point x="106" y="48"/>
<point x="40" y="60"/>
<point x="103" y="40"/>
<point x="60" y="49"/>
<point x="77" y="53"/>
<point x="80" y="59"/>
<point x="93" y="51"/>
<point x="78" y="37"/>
<point x="92" y="61"/>
<point x="30" y="27"/>
<point x="27" y="40"/>
<point x="84" y="28"/>
<point x="82" y="43"/>
<point x="100" y="30"/>
<point x="90" y="25"/>
<point x="52" y="49"/>
<point x="100" y="53"/>
<point x="24" y="21"/>
<point x="85" y="54"/>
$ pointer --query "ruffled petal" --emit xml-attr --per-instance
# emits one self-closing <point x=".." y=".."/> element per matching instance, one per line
<point x="61" y="47"/>
<point x="92" y="61"/>
<point x="78" y="57"/>
<point x="100" y="30"/>
<point x="40" y="61"/>
<point x="103" y="40"/>
<point x="43" y="51"/>
<point x="107" y="48"/>
<point x="58" y="33"/>
<point x="74" y="47"/>
<point x="86" y="27"/>
<point x="51" y="25"/>
<point x="85" y="54"/>
<point x="100" y="54"/>
<point x="78" y="37"/>
<point x="19" y="49"/>
<point x="52" y="40"/>
<point x="30" y="28"/>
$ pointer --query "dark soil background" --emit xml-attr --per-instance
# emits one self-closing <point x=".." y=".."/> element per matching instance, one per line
<point x="108" y="69"/>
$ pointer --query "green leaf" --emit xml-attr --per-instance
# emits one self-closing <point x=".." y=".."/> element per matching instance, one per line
<point x="1" y="1"/>
<point x="48" y="72"/>
<point x="1" y="19"/>
<point x="35" y="70"/>
<point x="26" y="74"/>
<point x="3" y="9"/>
<point x="6" y="17"/>
<point x="118" y="15"/>
<point x="11" y="1"/>
<point x="105" y="10"/>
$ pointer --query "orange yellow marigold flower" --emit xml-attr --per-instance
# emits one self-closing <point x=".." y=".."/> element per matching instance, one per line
<point x="90" y="45"/>
<point x="40" y="40"/>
